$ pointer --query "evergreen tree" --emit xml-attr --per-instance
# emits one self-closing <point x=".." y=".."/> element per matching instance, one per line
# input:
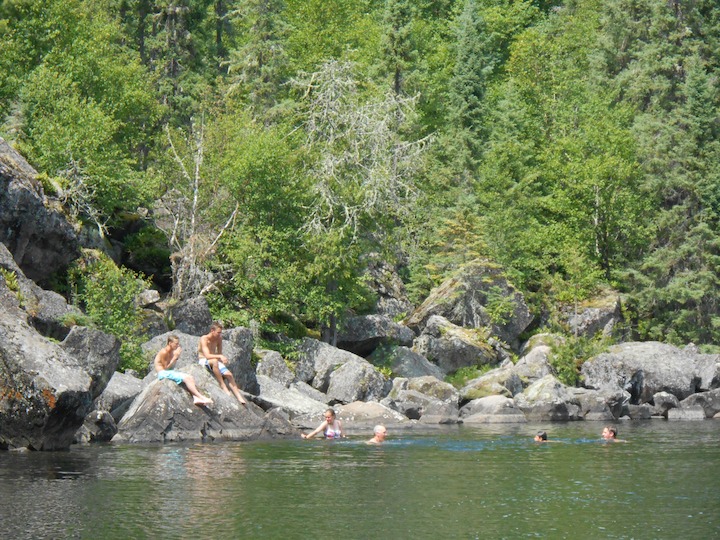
<point x="662" y="58"/>
<point x="560" y="177"/>
<point x="178" y="42"/>
<point x="322" y="30"/>
<point x="398" y="50"/>
<point x="259" y="67"/>
<point x="474" y="65"/>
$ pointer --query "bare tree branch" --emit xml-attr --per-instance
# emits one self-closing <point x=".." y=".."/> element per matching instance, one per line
<point x="181" y="214"/>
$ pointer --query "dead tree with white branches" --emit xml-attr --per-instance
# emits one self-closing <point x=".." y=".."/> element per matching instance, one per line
<point x="181" y="213"/>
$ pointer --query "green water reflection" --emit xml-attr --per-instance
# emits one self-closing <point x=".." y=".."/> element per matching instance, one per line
<point x="449" y="482"/>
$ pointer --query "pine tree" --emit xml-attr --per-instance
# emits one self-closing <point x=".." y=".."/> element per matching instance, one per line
<point x="258" y="68"/>
<point x="398" y="50"/>
<point x="474" y="65"/>
<point x="662" y="57"/>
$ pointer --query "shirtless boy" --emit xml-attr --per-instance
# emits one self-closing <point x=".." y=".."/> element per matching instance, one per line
<point x="165" y="361"/>
<point x="210" y="355"/>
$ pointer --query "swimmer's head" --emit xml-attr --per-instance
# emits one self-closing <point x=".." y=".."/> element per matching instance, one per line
<point x="609" y="432"/>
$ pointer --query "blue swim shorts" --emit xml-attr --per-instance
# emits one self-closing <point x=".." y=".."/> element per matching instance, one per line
<point x="171" y="374"/>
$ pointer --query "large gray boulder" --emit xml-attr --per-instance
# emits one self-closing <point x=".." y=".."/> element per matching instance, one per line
<point x="307" y="390"/>
<point x="289" y="399"/>
<point x="643" y="411"/>
<point x="147" y="298"/>
<point x="643" y="369"/>
<point x="47" y="311"/>
<point x="405" y="362"/>
<point x="317" y="360"/>
<point x="238" y="346"/>
<point x="547" y="399"/>
<point x="118" y="394"/>
<point x="439" y="412"/>
<point x="598" y="315"/>
<point x="99" y="426"/>
<point x="600" y="405"/>
<point x="477" y="296"/>
<point x="363" y="334"/>
<point x="273" y="365"/>
<point x="663" y="402"/>
<point x="412" y="403"/>
<point x="164" y="412"/>
<point x="441" y="408"/>
<point x="534" y="365"/>
<point x="32" y="226"/>
<point x="357" y="381"/>
<point x="191" y="316"/>
<point x="707" y="368"/>
<point x="452" y="347"/>
<point x="153" y="323"/>
<point x="364" y="415"/>
<point x="709" y="402"/>
<point x="430" y="386"/>
<point x="100" y="354"/>
<point x="392" y="299"/>
<point x="500" y="381"/>
<point x="45" y="391"/>
<point x="687" y="413"/>
<point x="492" y="410"/>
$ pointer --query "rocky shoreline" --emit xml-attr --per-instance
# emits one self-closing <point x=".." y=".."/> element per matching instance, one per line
<point x="59" y="383"/>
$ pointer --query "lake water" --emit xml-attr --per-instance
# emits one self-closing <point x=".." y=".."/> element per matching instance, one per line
<point x="445" y="482"/>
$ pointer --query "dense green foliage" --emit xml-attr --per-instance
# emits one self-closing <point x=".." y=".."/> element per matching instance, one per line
<point x="107" y="295"/>
<point x="279" y="145"/>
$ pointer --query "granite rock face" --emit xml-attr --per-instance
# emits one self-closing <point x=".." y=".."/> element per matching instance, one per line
<point x="363" y="334"/>
<point x="46" y="388"/>
<point x="32" y="227"/>
<point x="470" y="299"/>
<point x="642" y="369"/>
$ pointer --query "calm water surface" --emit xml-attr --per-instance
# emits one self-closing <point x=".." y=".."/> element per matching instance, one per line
<point x="448" y="482"/>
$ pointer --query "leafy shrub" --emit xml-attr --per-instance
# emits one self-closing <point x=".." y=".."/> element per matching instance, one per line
<point x="75" y="319"/>
<point x="107" y="295"/>
<point x="12" y="283"/>
<point x="499" y="305"/>
<point x="465" y="374"/>
<point x="10" y="279"/>
<point x="568" y="357"/>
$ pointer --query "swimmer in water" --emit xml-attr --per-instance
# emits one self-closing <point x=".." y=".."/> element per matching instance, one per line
<point x="380" y="432"/>
<point x="331" y="428"/>
<point x="609" y="433"/>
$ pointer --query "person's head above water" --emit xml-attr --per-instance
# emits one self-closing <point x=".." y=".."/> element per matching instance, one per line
<point x="609" y="433"/>
<point x="541" y="436"/>
<point x="379" y="434"/>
